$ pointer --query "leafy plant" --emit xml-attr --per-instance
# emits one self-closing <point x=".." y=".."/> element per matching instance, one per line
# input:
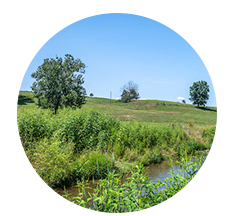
<point x="51" y="160"/>
<point x="136" y="193"/>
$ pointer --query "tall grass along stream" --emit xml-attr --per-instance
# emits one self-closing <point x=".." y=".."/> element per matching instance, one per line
<point x="136" y="191"/>
<point x="77" y="146"/>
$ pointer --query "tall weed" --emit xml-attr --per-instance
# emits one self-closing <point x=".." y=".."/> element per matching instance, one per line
<point x="52" y="161"/>
<point x="33" y="126"/>
<point x="209" y="134"/>
<point x="94" y="165"/>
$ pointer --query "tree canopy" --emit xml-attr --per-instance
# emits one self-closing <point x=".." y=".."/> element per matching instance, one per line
<point x="59" y="83"/>
<point x="129" y="92"/>
<point x="199" y="93"/>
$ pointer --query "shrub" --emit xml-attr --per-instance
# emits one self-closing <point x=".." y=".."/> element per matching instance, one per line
<point x="52" y="161"/>
<point x="33" y="126"/>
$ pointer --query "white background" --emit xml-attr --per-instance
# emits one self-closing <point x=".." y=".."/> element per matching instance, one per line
<point x="25" y="28"/>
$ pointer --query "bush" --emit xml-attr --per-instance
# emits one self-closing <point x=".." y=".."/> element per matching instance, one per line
<point x="33" y="126"/>
<point x="52" y="161"/>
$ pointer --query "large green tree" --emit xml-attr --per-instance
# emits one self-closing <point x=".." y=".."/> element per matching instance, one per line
<point x="59" y="83"/>
<point x="199" y="93"/>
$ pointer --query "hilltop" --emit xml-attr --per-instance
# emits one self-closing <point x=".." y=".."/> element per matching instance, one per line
<point x="150" y="111"/>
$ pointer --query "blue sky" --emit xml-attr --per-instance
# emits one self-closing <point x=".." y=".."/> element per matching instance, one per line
<point x="117" y="48"/>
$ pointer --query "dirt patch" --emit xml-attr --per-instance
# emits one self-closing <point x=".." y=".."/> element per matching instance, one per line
<point x="154" y="111"/>
<point x="145" y="104"/>
<point x="124" y="116"/>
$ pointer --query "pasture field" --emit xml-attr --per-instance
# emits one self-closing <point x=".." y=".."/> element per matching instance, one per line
<point x="77" y="145"/>
<point x="148" y="111"/>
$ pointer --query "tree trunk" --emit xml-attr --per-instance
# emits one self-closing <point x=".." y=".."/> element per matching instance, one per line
<point x="55" y="110"/>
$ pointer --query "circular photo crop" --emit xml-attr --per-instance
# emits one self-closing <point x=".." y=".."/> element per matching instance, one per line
<point x="116" y="113"/>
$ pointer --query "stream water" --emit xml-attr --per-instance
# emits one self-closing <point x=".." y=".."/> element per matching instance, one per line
<point x="155" y="171"/>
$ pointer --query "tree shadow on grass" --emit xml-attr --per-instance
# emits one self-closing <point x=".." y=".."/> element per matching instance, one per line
<point x="23" y="100"/>
<point x="207" y="109"/>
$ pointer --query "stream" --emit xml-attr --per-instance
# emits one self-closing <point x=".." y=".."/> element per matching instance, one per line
<point x="154" y="171"/>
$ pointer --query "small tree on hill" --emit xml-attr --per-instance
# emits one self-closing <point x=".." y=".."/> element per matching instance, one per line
<point x="59" y="83"/>
<point x="129" y="92"/>
<point x="199" y="93"/>
<point x="91" y="95"/>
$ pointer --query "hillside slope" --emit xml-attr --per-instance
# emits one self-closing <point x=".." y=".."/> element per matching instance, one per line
<point x="151" y="111"/>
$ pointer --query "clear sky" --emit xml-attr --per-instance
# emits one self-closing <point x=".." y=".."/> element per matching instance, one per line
<point x="117" y="48"/>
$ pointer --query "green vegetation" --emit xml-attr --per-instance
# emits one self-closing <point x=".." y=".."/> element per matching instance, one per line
<point x="67" y="147"/>
<point x="58" y="83"/>
<point x="130" y="92"/>
<point x="199" y="93"/>
<point x="136" y="192"/>
<point x="148" y="111"/>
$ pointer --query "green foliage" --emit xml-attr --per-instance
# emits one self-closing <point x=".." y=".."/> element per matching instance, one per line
<point x="199" y="93"/>
<point x="209" y="134"/>
<point x="152" y="158"/>
<point x="33" y="126"/>
<point x="58" y="84"/>
<point x="190" y="147"/>
<point x="136" y="193"/>
<point x="147" y="111"/>
<point x="130" y="92"/>
<point x="51" y="159"/>
<point x="83" y="139"/>
<point x="88" y="129"/>
<point x="94" y="165"/>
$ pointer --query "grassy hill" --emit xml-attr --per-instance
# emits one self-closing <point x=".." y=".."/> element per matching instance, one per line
<point x="150" y="111"/>
<point x="75" y="141"/>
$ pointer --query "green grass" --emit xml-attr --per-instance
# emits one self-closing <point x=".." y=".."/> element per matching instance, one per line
<point x="118" y="135"/>
<point x="102" y="137"/>
<point x="149" y="111"/>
